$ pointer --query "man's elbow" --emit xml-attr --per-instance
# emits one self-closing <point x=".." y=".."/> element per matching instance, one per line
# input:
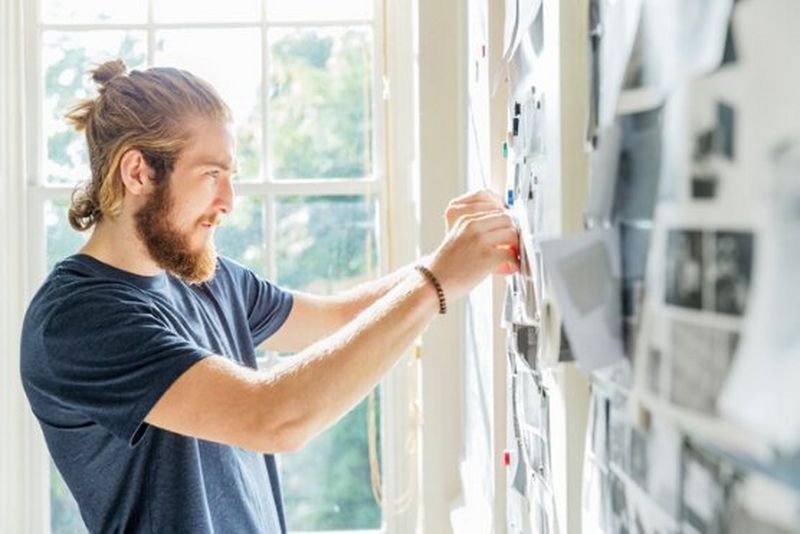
<point x="275" y="436"/>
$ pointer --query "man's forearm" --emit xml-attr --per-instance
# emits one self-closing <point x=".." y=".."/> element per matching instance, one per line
<point x="362" y="296"/>
<point x="326" y="380"/>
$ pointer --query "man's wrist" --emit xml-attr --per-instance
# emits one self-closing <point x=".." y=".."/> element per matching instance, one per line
<point x="431" y="278"/>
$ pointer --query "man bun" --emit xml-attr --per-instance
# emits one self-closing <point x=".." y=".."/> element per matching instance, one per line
<point x="105" y="72"/>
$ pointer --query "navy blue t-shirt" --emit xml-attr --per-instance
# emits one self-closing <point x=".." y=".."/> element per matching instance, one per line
<point x="99" y="348"/>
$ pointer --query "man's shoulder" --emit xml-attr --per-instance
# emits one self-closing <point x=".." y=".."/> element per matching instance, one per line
<point x="231" y="272"/>
<point x="73" y="286"/>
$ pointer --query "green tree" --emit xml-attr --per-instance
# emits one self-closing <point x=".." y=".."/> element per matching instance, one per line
<point x="320" y="102"/>
<point x="321" y="126"/>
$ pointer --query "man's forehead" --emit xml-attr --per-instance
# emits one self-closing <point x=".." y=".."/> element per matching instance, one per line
<point x="212" y="160"/>
<point x="211" y="144"/>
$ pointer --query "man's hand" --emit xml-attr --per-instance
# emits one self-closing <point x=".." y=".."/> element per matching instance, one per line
<point x="471" y="203"/>
<point x="476" y="202"/>
<point x="478" y="244"/>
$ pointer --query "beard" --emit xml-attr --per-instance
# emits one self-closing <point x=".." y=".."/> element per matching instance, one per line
<point x="168" y="246"/>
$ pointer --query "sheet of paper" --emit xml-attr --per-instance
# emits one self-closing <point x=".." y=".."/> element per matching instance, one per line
<point x="766" y="367"/>
<point x="626" y="168"/>
<point x="527" y="11"/>
<point x="619" y="22"/>
<point x="510" y="25"/>
<point x="603" y="175"/>
<point x="584" y="274"/>
<point x="762" y="505"/>
<point x="678" y="41"/>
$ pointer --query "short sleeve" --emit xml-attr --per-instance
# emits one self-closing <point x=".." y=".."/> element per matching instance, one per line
<point x="267" y="305"/>
<point x="110" y="357"/>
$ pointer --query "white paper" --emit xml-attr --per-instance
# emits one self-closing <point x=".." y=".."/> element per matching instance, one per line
<point x="763" y="505"/>
<point x="680" y="40"/>
<point x="619" y="24"/>
<point x="525" y="12"/>
<point x="603" y="174"/>
<point x="762" y="386"/>
<point x="584" y="275"/>
<point x="510" y="26"/>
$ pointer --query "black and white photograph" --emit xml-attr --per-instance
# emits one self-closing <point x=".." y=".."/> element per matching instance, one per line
<point x="684" y="269"/>
<point x="653" y="363"/>
<point x="639" y="457"/>
<point x="730" y="272"/>
<point x="704" y="492"/>
<point x="634" y="246"/>
<point x="618" y="519"/>
<point x="701" y="360"/>
<point x="639" y="166"/>
<point x="618" y="432"/>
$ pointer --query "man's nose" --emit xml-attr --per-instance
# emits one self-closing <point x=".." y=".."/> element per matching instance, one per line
<point x="226" y="194"/>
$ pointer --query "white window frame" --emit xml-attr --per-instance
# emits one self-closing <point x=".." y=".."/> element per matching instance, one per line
<point x="25" y="489"/>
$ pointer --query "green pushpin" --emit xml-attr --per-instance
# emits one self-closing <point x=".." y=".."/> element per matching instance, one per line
<point x="505" y="149"/>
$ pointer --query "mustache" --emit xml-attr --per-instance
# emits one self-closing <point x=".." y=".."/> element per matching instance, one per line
<point x="214" y="221"/>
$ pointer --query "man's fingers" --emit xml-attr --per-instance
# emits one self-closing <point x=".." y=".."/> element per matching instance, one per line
<point x="461" y="208"/>
<point x="488" y="221"/>
<point x="507" y="261"/>
<point x="483" y="195"/>
<point x="507" y="268"/>
<point x="502" y="237"/>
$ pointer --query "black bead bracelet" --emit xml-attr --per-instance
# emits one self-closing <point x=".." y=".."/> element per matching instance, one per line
<point x="433" y="280"/>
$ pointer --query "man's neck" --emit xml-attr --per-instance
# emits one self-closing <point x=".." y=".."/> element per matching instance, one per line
<point x="117" y="244"/>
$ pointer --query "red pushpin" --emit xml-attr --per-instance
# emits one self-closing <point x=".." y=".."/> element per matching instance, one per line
<point x="506" y="458"/>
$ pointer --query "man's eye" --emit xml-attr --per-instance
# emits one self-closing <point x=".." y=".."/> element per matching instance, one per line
<point x="213" y="174"/>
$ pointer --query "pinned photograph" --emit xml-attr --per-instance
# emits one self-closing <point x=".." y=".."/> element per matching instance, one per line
<point x="684" y="277"/>
<point x="639" y="165"/>
<point x="704" y="495"/>
<point x="639" y="457"/>
<point x="619" y="519"/>
<point x="729" y="273"/>
<point x="701" y="361"/>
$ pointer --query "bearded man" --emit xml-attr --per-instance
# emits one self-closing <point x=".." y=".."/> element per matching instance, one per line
<point x="138" y="352"/>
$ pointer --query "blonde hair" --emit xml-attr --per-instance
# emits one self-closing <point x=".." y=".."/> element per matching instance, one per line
<point x="145" y="110"/>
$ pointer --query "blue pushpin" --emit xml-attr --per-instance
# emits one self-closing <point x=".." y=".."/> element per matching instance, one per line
<point x="509" y="198"/>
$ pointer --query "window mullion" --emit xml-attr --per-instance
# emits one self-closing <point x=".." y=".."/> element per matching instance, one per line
<point x="265" y="157"/>
<point x="319" y="23"/>
<point x="270" y="236"/>
<point x="319" y="187"/>
<point x="151" y="35"/>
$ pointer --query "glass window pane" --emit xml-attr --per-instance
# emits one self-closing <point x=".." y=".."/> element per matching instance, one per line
<point x="208" y="54"/>
<point x="62" y="240"/>
<point x="320" y="102"/>
<point x="241" y="234"/>
<point x="66" y="56"/>
<point x="325" y="244"/>
<point x="188" y="11"/>
<point x="327" y="485"/>
<point x="319" y="10"/>
<point x="64" y="515"/>
<point x="92" y="11"/>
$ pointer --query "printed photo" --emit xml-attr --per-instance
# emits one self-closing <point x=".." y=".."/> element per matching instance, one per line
<point x="729" y="272"/>
<point x="684" y="276"/>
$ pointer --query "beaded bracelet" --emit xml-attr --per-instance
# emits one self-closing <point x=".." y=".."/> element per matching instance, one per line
<point x="433" y="280"/>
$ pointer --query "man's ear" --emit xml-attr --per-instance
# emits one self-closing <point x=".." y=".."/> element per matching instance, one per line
<point x="135" y="174"/>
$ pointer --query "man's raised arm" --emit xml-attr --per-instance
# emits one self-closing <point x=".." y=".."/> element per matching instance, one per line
<point x="281" y="410"/>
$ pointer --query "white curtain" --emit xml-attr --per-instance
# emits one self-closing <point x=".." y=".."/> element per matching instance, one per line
<point x="23" y="486"/>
